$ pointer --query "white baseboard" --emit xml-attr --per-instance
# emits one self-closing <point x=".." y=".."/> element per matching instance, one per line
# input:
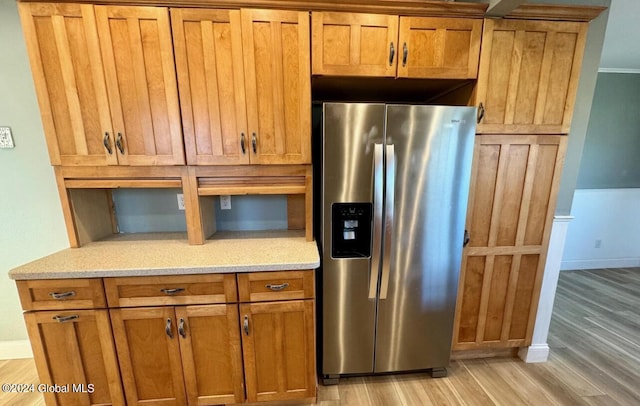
<point x="600" y="263"/>
<point x="17" y="349"/>
<point x="534" y="353"/>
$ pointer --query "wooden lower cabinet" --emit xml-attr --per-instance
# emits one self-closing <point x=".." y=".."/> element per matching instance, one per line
<point x="74" y="349"/>
<point x="279" y="352"/>
<point x="179" y="355"/>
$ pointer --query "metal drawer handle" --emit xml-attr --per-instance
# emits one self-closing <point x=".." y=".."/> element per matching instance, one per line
<point x="254" y="143"/>
<point x="62" y="319"/>
<point x="246" y="325"/>
<point x="242" y="145"/>
<point x="119" y="143"/>
<point x="277" y="287"/>
<point x="167" y="329"/>
<point x="107" y="143"/>
<point x="181" y="330"/>
<point x="480" y="112"/>
<point x="405" y="54"/>
<point x="392" y="52"/>
<point x="61" y="296"/>
<point x="171" y="291"/>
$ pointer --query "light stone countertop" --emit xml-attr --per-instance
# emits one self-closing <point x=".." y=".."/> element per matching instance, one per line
<point x="170" y="254"/>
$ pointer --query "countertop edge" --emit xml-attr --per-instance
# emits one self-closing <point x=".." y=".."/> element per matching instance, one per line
<point x="110" y="273"/>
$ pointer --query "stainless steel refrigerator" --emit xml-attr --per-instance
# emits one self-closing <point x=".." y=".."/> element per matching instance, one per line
<point x="395" y="182"/>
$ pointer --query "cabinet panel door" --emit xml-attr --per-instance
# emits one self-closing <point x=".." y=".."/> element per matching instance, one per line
<point x="528" y="77"/>
<point x="278" y="346"/>
<point x="208" y="46"/>
<point x="515" y="180"/>
<point x="211" y="354"/>
<point x="63" y="47"/>
<point x="352" y="44"/>
<point x="446" y="48"/>
<point x="75" y="348"/>
<point x="278" y="85"/>
<point x="137" y="53"/>
<point x="149" y="355"/>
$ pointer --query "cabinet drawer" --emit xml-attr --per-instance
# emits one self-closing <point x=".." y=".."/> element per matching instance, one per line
<point x="170" y="290"/>
<point x="267" y="286"/>
<point x="56" y="294"/>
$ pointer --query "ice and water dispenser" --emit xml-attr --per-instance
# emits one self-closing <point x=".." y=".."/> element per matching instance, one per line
<point x="351" y="230"/>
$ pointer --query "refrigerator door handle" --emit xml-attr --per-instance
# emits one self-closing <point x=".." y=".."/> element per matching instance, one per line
<point x="389" y="200"/>
<point x="377" y="220"/>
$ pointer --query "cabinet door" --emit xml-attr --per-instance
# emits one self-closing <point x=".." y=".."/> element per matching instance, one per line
<point x="528" y="76"/>
<point x="445" y="48"/>
<point x="278" y="85"/>
<point x="149" y="355"/>
<point x="351" y="44"/>
<point x="208" y="46"/>
<point x="75" y="348"/>
<point x="512" y="200"/>
<point x="62" y="42"/>
<point x="278" y="346"/>
<point x="211" y="354"/>
<point x="137" y="53"/>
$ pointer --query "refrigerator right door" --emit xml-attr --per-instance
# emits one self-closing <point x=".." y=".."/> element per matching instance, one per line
<point x="429" y="150"/>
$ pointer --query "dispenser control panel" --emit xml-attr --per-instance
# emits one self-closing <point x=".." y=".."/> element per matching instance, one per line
<point x="351" y="230"/>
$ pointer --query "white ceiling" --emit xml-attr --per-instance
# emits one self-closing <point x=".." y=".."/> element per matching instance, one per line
<point x="621" y="50"/>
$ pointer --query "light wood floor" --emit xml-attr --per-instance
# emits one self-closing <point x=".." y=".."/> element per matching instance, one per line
<point x="595" y="359"/>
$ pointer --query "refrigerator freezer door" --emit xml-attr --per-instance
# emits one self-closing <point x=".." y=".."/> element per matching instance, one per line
<point x="350" y="134"/>
<point x="433" y="151"/>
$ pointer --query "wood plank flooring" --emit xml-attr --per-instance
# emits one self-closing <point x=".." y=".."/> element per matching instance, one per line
<point x="595" y="359"/>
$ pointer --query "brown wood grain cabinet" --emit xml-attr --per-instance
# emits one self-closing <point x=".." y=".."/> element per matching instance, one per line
<point x="351" y="44"/>
<point x="245" y="85"/>
<point x="528" y="76"/>
<point x="512" y="199"/>
<point x="72" y="341"/>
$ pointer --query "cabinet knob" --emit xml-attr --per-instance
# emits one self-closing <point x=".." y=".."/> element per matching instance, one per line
<point x="119" y="143"/>
<point x="277" y="287"/>
<point x="167" y="329"/>
<point x="181" y="329"/>
<point x="480" y="112"/>
<point x="62" y="319"/>
<point x="405" y="54"/>
<point x="107" y="143"/>
<point x="62" y="296"/>
<point x="392" y="52"/>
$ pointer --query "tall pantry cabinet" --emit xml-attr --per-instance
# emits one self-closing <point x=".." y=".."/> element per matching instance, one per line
<point x="526" y="90"/>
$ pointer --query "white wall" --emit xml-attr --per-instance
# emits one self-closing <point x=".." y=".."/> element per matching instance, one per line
<point x="611" y="216"/>
<point x="31" y="222"/>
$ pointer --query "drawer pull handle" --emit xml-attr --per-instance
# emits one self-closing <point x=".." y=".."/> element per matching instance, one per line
<point x="62" y="319"/>
<point x="277" y="287"/>
<point x="181" y="329"/>
<point x="61" y="296"/>
<point x="171" y="291"/>
<point x="246" y="325"/>
<point x="167" y="329"/>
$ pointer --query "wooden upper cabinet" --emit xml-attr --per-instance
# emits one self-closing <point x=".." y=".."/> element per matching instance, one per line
<point x="105" y="81"/>
<point x="137" y="53"/>
<point x="351" y="44"/>
<point x="278" y="85"/>
<point x="208" y="47"/>
<point x="439" y="47"/>
<point x="67" y="70"/>
<point x="528" y="76"/>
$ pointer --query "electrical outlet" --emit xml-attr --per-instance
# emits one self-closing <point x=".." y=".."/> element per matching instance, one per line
<point x="598" y="243"/>
<point x="225" y="202"/>
<point x="180" y="197"/>
<point x="6" y="139"/>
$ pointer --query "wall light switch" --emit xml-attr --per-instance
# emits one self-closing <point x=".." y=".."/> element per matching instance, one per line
<point x="6" y="140"/>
